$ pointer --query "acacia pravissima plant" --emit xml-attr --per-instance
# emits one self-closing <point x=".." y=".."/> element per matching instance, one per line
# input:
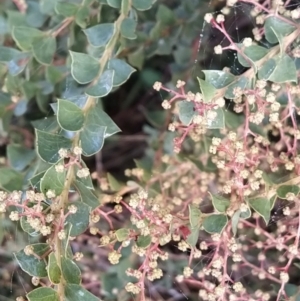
<point x="211" y="191"/>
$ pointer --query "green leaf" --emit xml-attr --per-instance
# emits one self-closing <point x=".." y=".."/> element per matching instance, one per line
<point x="220" y="203"/>
<point x="84" y="68"/>
<point x="233" y="120"/>
<point x="43" y="49"/>
<point x="54" y="272"/>
<point x="254" y="53"/>
<point x="48" y="145"/>
<point x="75" y="292"/>
<point x="262" y="206"/>
<point x="215" y="223"/>
<point x="267" y="69"/>
<point x="10" y="179"/>
<point x="66" y="9"/>
<point x="122" y="71"/>
<point x="69" y="116"/>
<point x="87" y="196"/>
<point x="87" y="181"/>
<point x="31" y="264"/>
<point x="53" y="180"/>
<point x="27" y="228"/>
<point x="99" y="35"/>
<point x="19" y="157"/>
<point x="36" y="180"/>
<point x="273" y="26"/>
<point x="142" y="4"/>
<point x="14" y="59"/>
<point x="165" y="15"/>
<point x="283" y="190"/>
<point x="80" y="219"/>
<point x="43" y="294"/>
<point x="219" y="121"/>
<point x="285" y="70"/>
<point x="186" y="111"/>
<point x="193" y="237"/>
<point x="137" y="58"/>
<point x="240" y="83"/>
<point x="103" y="86"/>
<point x="82" y="16"/>
<point x="128" y="27"/>
<point x="219" y="79"/>
<point x="114" y="3"/>
<point x="246" y="214"/>
<point x="97" y="126"/>
<point x="54" y="74"/>
<point x="143" y="241"/>
<point x="70" y="271"/>
<point x="207" y="89"/>
<point x="24" y="36"/>
<point x="122" y="234"/>
<point x="194" y="216"/>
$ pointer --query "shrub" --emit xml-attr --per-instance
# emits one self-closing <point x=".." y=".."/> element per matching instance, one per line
<point x="212" y="209"/>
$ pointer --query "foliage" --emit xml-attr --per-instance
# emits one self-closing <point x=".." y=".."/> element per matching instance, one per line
<point x="197" y="148"/>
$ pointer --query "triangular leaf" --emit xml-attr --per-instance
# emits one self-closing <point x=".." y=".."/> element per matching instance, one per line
<point x="84" y="68"/>
<point x="215" y="223"/>
<point x="186" y="111"/>
<point x="69" y="116"/>
<point x="122" y="71"/>
<point x="43" y="294"/>
<point x="99" y="35"/>
<point x="103" y="85"/>
<point x="262" y="206"/>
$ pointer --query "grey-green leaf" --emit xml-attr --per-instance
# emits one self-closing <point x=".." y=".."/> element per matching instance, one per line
<point x="220" y="203"/>
<point x="219" y="79"/>
<point x="99" y="35"/>
<point x="84" y="68"/>
<point x="97" y="126"/>
<point x="49" y="144"/>
<point x="87" y="196"/>
<point x="122" y="234"/>
<point x="253" y="53"/>
<point x="240" y="83"/>
<point x="70" y="271"/>
<point x="283" y="190"/>
<point x="143" y="241"/>
<point x="186" y="111"/>
<point x="122" y="71"/>
<point x="19" y="157"/>
<point x="75" y="292"/>
<point x="43" y="49"/>
<point x="128" y="27"/>
<point x="24" y="36"/>
<point x="43" y="294"/>
<point x="66" y="9"/>
<point x="80" y="219"/>
<point x="142" y="4"/>
<point x="53" y="180"/>
<point x="194" y="216"/>
<point x="103" y="86"/>
<point x="54" y="272"/>
<point x="215" y="223"/>
<point x="69" y="116"/>
<point x="207" y="89"/>
<point x="31" y="264"/>
<point x="274" y="24"/>
<point x="262" y="206"/>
